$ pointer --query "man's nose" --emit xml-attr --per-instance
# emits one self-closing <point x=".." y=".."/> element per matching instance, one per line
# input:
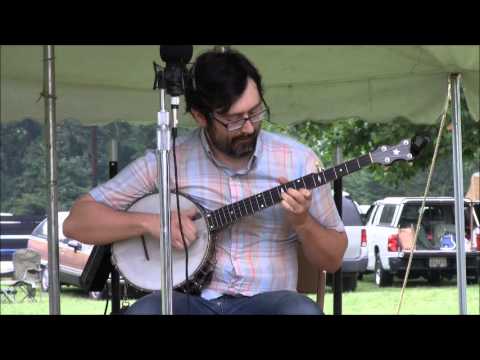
<point x="248" y="128"/>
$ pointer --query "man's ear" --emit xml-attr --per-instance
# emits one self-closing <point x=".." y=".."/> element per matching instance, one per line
<point x="199" y="118"/>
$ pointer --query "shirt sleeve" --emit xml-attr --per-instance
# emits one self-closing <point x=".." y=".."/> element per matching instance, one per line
<point x="133" y="182"/>
<point x="323" y="207"/>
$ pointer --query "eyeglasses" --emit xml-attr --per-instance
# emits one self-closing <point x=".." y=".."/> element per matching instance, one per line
<point x="237" y="122"/>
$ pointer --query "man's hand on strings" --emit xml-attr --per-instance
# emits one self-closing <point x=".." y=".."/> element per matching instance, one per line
<point x="297" y="203"/>
<point x="189" y="229"/>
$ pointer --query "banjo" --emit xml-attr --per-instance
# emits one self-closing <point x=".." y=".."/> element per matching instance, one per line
<point x="138" y="259"/>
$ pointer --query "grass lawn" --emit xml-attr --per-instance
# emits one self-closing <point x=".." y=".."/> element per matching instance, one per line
<point x="73" y="301"/>
<point x="420" y="298"/>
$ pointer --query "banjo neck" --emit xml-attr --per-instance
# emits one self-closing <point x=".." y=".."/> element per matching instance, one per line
<point x="227" y="215"/>
<point x="385" y="155"/>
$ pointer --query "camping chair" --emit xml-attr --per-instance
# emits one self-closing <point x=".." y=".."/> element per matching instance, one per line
<point x="310" y="279"/>
<point x="26" y="275"/>
<point x="6" y="271"/>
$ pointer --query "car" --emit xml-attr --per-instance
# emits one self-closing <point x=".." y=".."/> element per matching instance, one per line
<point x="390" y="230"/>
<point x="354" y="262"/>
<point x="356" y="257"/>
<point x="73" y="256"/>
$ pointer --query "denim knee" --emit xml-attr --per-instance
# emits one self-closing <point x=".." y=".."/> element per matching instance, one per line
<point x="150" y="304"/>
<point x="292" y="303"/>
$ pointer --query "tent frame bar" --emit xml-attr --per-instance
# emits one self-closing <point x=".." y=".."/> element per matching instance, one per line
<point x="51" y="146"/>
<point x="459" y="194"/>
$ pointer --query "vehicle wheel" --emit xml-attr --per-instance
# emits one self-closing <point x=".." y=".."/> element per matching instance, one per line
<point x="382" y="278"/>
<point x="434" y="278"/>
<point x="349" y="282"/>
<point x="44" y="282"/>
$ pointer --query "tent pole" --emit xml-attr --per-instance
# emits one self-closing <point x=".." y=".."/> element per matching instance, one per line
<point x="459" y="195"/>
<point x="337" y="281"/>
<point x="115" y="276"/>
<point x="164" y="146"/>
<point x="50" y="140"/>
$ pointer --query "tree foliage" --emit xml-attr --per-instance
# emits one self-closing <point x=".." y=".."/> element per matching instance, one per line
<point x="23" y="157"/>
<point x="23" y="161"/>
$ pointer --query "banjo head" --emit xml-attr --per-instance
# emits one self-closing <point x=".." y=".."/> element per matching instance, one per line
<point x="141" y="265"/>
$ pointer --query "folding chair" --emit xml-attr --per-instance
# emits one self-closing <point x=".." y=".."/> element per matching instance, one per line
<point x="6" y="271"/>
<point x="26" y="276"/>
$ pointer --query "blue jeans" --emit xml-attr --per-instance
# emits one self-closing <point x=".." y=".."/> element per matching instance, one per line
<point x="268" y="303"/>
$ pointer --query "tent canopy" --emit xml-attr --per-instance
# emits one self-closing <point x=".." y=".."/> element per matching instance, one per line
<point x="100" y="84"/>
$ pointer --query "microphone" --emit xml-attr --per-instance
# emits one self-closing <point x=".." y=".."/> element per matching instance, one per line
<point x="176" y="53"/>
<point x="176" y="58"/>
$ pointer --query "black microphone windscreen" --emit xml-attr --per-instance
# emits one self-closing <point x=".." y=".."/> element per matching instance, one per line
<point x="176" y="53"/>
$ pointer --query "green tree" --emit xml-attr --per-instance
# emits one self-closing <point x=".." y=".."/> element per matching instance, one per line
<point x="17" y="146"/>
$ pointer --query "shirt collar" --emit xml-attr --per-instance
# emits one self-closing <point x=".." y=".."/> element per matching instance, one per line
<point x="251" y="163"/>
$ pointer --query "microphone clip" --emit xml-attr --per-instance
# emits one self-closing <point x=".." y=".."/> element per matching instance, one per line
<point x="159" y="81"/>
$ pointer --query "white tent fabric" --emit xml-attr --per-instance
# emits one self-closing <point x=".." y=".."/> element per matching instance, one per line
<point x="100" y="84"/>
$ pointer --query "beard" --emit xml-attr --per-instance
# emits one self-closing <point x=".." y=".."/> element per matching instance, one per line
<point x="237" y="147"/>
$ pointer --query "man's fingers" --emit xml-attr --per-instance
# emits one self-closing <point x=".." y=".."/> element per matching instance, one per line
<point x="189" y="228"/>
<point x="296" y="195"/>
<point x="189" y="231"/>
<point x="177" y="242"/>
<point x="191" y="213"/>
<point x="306" y="193"/>
<point x="287" y="206"/>
<point x="299" y="195"/>
<point x="290" y="203"/>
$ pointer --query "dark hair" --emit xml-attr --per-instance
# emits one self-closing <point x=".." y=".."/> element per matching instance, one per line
<point x="218" y="79"/>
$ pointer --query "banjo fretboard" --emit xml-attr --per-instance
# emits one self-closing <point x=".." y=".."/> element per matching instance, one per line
<point x="224" y="216"/>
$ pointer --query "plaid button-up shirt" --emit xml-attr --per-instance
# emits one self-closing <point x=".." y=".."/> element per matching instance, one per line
<point x="257" y="253"/>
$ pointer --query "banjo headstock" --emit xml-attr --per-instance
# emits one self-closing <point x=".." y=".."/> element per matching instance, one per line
<point x="407" y="150"/>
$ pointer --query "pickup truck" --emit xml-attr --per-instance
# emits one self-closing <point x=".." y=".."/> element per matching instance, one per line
<point x="390" y="230"/>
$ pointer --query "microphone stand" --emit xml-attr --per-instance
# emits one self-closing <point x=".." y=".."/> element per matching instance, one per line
<point x="163" y="176"/>
<point x="170" y="79"/>
<point x="115" y="276"/>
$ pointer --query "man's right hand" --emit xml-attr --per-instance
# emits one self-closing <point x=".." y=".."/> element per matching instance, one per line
<point x="189" y="228"/>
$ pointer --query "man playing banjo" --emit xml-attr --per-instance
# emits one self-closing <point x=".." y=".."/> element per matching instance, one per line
<point x="227" y="158"/>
